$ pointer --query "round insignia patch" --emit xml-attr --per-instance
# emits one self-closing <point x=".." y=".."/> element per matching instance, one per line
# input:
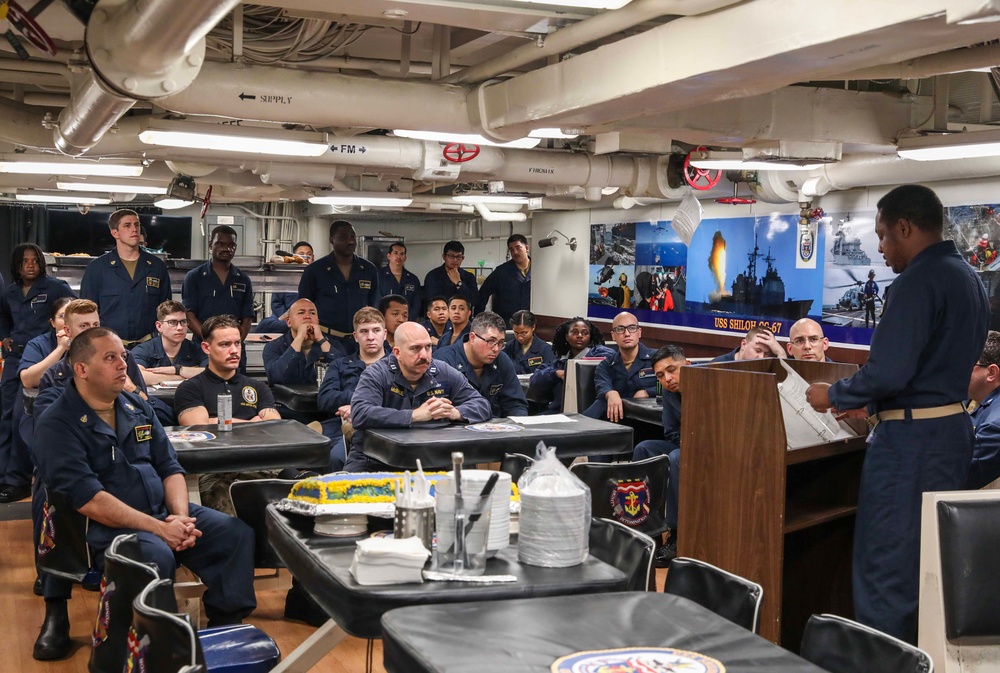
<point x="189" y="436"/>
<point x="637" y="660"/>
<point x="630" y="501"/>
<point x="249" y="394"/>
<point x="495" y="427"/>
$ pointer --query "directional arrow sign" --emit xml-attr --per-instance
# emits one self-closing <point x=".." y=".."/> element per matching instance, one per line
<point x="246" y="96"/>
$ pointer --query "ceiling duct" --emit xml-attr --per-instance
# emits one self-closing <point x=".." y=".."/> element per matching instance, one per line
<point x="138" y="50"/>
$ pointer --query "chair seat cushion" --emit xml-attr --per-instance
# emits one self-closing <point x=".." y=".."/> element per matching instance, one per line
<point x="240" y="647"/>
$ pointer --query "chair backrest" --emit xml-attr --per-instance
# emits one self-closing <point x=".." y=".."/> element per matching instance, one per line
<point x="626" y="549"/>
<point x="727" y="595"/>
<point x="125" y="576"/>
<point x="840" y="645"/>
<point x="250" y="501"/>
<point x="162" y="641"/>
<point x="515" y="464"/>
<point x="634" y="494"/>
<point x="62" y="546"/>
<point x="581" y="390"/>
<point x="970" y="537"/>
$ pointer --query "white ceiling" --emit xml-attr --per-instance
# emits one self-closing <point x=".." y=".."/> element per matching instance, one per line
<point x="652" y="79"/>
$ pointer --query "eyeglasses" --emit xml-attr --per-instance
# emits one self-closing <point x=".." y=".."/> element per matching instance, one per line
<point x="492" y="343"/>
<point x="621" y="329"/>
<point x="176" y="323"/>
<point x="801" y="341"/>
<point x="455" y="255"/>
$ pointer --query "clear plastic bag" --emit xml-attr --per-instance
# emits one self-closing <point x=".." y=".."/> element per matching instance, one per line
<point x="555" y="514"/>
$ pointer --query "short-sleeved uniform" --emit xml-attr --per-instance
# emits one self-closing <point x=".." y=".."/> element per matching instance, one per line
<point x="538" y="354"/>
<point x="79" y="456"/>
<point x="206" y="296"/>
<point x="669" y="446"/>
<point x="509" y="288"/>
<point x="23" y="316"/>
<point x="922" y="354"/>
<point x="438" y="284"/>
<point x="337" y="298"/>
<point x="612" y="375"/>
<point x="150" y="354"/>
<point x="498" y="382"/>
<point x="127" y="305"/>
<point x="383" y="398"/>
<point x="408" y="286"/>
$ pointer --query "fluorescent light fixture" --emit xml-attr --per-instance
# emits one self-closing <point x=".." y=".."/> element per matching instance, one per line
<point x="499" y="199"/>
<point x="584" y="4"/>
<point x="43" y="165"/>
<point x="466" y="138"/>
<point x="41" y="196"/>
<point x="372" y="199"/>
<point x="733" y="161"/>
<point x="552" y="133"/>
<point x="119" y="188"/>
<point x="172" y="204"/>
<point x="942" y="146"/>
<point x="226" y="138"/>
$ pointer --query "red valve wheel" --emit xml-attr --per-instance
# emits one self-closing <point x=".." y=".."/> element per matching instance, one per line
<point x="736" y="201"/>
<point x="701" y="179"/>
<point x="208" y="200"/>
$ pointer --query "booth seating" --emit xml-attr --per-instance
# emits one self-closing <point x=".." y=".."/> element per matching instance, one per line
<point x="166" y="642"/>
<point x="840" y="645"/>
<point x="626" y="549"/>
<point x="633" y="494"/>
<point x="242" y="647"/>
<point x="581" y="390"/>
<point x="250" y="501"/>
<point x="727" y="595"/>
<point x="960" y="586"/>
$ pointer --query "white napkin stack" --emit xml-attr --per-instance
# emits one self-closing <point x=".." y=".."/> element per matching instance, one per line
<point x="389" y="561"/>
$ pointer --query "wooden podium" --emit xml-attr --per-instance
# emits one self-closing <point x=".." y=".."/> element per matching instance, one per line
<point x="782" y="518"/>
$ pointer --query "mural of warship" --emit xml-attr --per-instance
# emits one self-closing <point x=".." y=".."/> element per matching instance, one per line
<point x="761" y="296"/>
<point x="846" y="250"/>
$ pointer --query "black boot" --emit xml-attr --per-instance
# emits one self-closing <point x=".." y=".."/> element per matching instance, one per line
<point x="53" y="640"/>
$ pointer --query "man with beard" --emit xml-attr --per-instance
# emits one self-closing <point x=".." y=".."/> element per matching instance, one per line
<point x="407" y="388"/>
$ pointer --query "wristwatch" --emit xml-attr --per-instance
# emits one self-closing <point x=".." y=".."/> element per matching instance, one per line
<point x="322" y="341"/>
<point x="177" y="369"/>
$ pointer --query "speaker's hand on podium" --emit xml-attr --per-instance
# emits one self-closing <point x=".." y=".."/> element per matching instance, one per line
<point x="818" y="396"/>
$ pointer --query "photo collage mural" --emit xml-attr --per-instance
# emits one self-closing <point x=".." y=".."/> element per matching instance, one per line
<point x="768" y="271"/>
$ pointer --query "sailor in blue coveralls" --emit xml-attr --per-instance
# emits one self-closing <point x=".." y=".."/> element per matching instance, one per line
<point x="409" y="387"/>
<point x="450" y="278"/>
<point x="984" y="388"/>
<point x="758" y="343"/>
<point x="127" y="283"/>
<point x="25" y="307"/>
<point x="219" y="287"/>
<point x="395" y="278"/>
<point x="459" y="321"/>
<point x="510" y="283"/>
<point x="170" y="355"/>
<point x="107" y="454"/>
<point x="526" y="351"/>
<point x="575" y="338"/>
<point x="627" y="373"/>
<point x="667" y="363"/>
<point x="480" y="358"/>
<point x="916" y="378"/>
<point x="340" y="284"/>
<point x="342" y="377"/>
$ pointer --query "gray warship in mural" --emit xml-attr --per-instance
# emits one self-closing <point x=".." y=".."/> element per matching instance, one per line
<point x="765" y="295"/>
<point x="846" y="249"/>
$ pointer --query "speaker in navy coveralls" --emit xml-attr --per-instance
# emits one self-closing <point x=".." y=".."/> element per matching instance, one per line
<point x="916" y="378"/>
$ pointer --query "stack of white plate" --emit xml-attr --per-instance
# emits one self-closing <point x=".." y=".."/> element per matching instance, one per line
<point x="554" y="523"/>
<point x="473" y="482"/>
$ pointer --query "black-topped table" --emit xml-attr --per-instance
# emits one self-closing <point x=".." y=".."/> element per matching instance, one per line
<point x="252" y="446"/>
<point x="299" y="397"/>
<point x="165" y="394"/>
<point x="528" y="636"/>
<point x="433" y="444"/>
<point x="645" y="409"/>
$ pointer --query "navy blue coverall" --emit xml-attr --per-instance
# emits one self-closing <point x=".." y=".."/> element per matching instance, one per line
<point x="127" y="305"/>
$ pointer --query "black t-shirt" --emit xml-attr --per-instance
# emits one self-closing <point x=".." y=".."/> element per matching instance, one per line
<point x="250" y="396"/>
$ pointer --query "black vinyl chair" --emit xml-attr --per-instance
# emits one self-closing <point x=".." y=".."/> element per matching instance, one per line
<point x="250" y="501"/>
<point x="160" y="640"/>
<point x="586" y="386"/>
<point x="626" y="549"/>
<point x="839" y="645"/>
<point x="125" y="576"/>
<point x="727" y="595"/>
<point x="634" y="494"/>
<point x="62" y="548"/>
<point x="969" y="532"/>
<point x="515" y="465"/>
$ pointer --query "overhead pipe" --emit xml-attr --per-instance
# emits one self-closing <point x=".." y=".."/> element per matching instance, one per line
<point x="491" y="216"/>
<point x="943" y="63"/>
<point x="584" y="32"/>
<point x="138" y="50"/>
